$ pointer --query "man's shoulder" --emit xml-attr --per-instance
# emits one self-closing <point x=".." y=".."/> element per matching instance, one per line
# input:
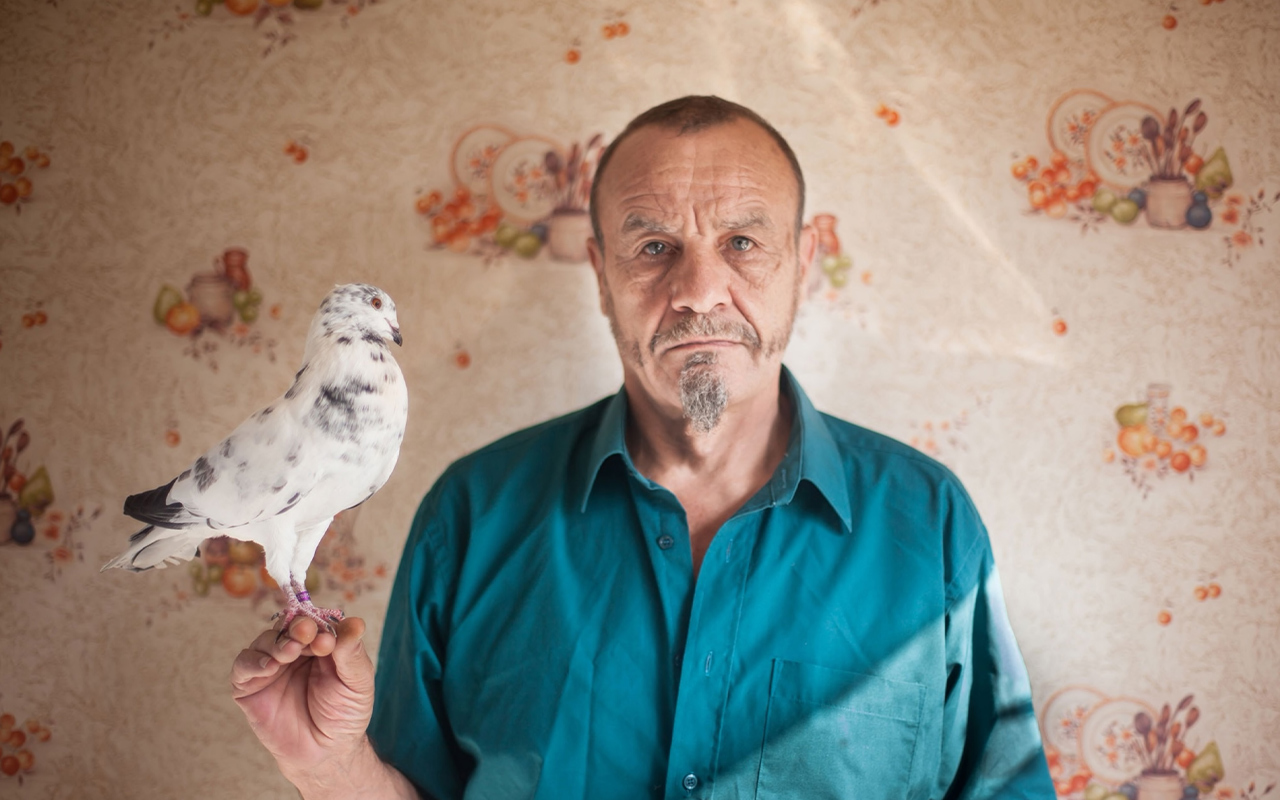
<point x="928" y="501"/>
<point x="875" y="454"/>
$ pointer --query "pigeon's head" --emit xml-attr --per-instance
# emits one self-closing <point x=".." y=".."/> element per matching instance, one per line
<point x="360" y="309"/>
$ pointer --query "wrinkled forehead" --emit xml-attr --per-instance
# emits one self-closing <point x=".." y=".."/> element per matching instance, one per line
<point x="723" y="169"/>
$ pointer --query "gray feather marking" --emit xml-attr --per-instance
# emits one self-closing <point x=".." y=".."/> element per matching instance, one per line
<point x="204" y="473"/>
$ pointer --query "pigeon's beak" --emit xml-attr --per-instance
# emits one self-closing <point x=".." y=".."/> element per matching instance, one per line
<point x="395" y="335"/>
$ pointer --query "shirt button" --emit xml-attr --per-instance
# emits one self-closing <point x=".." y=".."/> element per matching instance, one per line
<point x="690" y="782"/>
<point x="666" y="541"/>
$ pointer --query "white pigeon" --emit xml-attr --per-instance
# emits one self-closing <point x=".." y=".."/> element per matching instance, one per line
<point x="326" y="445"/>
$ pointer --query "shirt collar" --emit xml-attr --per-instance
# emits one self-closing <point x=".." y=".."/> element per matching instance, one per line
<point x="811" y="454"/>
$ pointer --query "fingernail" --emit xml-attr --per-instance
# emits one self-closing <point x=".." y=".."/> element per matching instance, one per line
<point x="262" y="662"/>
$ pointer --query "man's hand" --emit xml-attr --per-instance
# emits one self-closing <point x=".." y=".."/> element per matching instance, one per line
<point x="308" y="697"/>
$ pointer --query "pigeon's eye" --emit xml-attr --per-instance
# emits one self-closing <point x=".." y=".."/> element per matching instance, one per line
<point x="376" y="302"/>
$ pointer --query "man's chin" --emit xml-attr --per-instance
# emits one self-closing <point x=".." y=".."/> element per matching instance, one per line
<point x="704" y="391"/>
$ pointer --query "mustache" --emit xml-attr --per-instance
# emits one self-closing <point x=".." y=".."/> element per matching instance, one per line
<point x="705" y="326"/>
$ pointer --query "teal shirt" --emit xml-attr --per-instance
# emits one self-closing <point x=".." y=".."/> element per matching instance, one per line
<point x="845" y="636"/>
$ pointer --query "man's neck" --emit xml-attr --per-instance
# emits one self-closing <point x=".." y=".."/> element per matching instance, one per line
<point x="663" y="443"/>
<point x="712" y="473"/>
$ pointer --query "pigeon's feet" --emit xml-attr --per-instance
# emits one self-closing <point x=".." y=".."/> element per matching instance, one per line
<point x="298" y="604"/>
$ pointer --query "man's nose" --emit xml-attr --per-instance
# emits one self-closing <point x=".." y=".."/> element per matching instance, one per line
<point x="700" y="281"/>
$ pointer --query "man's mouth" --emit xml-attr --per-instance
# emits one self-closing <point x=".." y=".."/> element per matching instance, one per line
<point x="703" y="331"/>
<point x="692" y="343"/>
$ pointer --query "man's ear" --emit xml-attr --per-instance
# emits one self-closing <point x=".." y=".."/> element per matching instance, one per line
<point x="596" y="252"/>
<point x="808" y="245"/>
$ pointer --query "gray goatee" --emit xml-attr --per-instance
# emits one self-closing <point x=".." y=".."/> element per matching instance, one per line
<point x="703" y="393"/>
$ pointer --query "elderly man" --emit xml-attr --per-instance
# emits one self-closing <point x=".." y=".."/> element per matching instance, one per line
<point x="699" y="587"/>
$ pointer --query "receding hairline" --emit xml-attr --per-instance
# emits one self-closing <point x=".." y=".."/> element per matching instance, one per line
<point x="694" y="114"/>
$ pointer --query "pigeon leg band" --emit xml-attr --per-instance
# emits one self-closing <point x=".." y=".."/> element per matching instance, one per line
<point x="304" y="597"/>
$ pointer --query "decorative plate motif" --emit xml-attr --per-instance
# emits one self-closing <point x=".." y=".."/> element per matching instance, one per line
<point x="1115" y="149"/>
<point x="521" y="184"/>
<point x="1109" y="745"/>
<point x="1064" y="716"/>
<point x="474" y="154"/>
<point x="1071" y="117"/>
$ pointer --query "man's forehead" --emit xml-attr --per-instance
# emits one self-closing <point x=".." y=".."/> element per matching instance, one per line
<point x="721" y="154"/>
<point x="734" y="168"/>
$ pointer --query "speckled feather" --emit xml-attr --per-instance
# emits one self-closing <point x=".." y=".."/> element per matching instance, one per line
<point x="327" y="444"/>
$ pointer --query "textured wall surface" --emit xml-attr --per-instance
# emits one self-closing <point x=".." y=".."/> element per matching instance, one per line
<point x="180" y="185"/>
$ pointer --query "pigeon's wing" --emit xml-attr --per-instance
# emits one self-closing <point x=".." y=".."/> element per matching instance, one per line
<point x="264" y="468"/>
<point x="389" y="465"/>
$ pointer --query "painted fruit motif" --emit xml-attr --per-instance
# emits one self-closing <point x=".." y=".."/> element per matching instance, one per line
<point x="23" y="532"/>
<point x="1132" y="440"/>
<point x="1132" y="415"/>
<point x="165" y="301"/>
<point x="1214" y="177"/>
<point x="182" y="318"/>
<point x="37" y="492"/>
<point x="1125" y="211"/>
<point x="239" y="580"/>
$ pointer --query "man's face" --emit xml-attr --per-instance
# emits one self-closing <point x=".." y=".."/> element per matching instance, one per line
<point x="699" y="271"/>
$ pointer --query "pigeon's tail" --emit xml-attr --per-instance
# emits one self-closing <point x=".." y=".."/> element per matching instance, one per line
<point x="154" y="508"/>
<point x="154" y="547"/>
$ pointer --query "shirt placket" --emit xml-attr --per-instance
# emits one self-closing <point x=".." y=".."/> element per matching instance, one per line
<point x="709" y="641"/>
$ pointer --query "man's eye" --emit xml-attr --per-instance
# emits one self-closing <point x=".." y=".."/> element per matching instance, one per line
<point x="655" y="248"/>
<point x="741" y="243"/>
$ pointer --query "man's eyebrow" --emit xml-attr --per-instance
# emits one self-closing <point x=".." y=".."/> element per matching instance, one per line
<point x="756" y="220"/>
<point x="636" y="222"/>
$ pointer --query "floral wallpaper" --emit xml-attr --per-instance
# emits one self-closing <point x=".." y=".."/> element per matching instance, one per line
<point x="1045" y="258"/>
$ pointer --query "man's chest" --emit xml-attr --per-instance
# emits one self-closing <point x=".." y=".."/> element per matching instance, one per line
<point x="588" y="656"/>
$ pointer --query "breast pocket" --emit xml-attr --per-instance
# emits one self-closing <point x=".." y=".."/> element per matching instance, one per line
<point x="836" y="734"/>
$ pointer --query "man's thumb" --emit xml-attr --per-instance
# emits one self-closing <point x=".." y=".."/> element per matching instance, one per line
<point x="350" y="658"/>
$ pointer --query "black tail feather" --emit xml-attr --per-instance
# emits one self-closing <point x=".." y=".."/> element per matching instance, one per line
<point x="154" y="509"/>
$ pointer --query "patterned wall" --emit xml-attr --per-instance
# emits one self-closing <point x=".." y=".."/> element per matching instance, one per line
<point x="1045" y="261"/>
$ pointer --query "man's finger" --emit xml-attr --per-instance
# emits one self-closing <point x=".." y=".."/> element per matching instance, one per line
<point x="298" y="641"/>
<point x="322" y="645"/>
<point x="352" y="662"/>
<point x="301" y="629"/>
<point x="249" y="666"/>
<point x="266" y="653"/>
<point x="251" y="663"/>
